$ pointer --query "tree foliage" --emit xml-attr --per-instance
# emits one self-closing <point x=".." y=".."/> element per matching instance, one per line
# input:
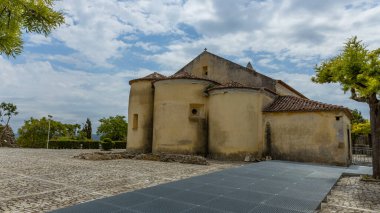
<point x="363" y="128"/>
<point x="357" y="117"/>
<point x="114" y="128"/>
<point x="87" y="130"/>
<point x="7" y="111"/>
<point x="17" y="16"/>
<point x="357" y="70"/>
<point x="360" y="125"/>
<point x="34" y="132"/>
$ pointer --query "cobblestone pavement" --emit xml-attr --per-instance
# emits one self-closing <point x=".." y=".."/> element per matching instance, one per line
<point x="352" y="195"/>
<point x="40" y="180"/>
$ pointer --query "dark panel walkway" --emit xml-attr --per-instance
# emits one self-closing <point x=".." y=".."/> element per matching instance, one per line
<point x="270" y="186"/>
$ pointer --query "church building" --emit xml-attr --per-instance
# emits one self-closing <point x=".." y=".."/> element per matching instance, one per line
<point x="216" y="108"/>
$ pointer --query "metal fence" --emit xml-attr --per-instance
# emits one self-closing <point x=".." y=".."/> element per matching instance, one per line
<point x="362" y="156"/>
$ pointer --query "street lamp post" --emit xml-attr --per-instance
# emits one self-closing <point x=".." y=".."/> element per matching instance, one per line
<point x="47" y="144"/>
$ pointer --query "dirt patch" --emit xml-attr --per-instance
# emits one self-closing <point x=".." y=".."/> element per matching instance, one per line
<point x="100" y="156"/>
<point x="187" y="159"/>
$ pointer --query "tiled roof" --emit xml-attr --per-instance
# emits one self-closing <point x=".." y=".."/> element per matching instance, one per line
<point x="183" y="74"/>
<point x="294" y="104"/>
<point x="237" y="85"/>
<point x="153" y="76"/>
<point x="186" y="75"/>
<point x="231" y="84"/>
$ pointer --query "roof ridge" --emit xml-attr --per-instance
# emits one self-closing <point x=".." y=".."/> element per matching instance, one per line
<point x="182" y="74"/>
<point x="152" y="76"/>
<point x="288" y="103"/>
<point x="187" y="75"/>
<point x="225" y="59"/>
<point x="232" y="84"/>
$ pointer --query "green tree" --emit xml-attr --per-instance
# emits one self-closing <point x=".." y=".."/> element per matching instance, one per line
<point x="357" y="117"/>
<point x="34" y="132"/>
<point x="71" y="130"/>
<point x="87" y="129"/>
<point x="363" y="128"/>
<point x="114" y="128"/>
<point x="357" y="69"/>
<point x="7" y="111"/>
<point x="360" y="125"/>
<point x="18" y="16"/>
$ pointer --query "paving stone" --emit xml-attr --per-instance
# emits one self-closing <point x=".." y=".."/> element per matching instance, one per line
<point x="353" y="195"/>
<point x="40" y="180"/>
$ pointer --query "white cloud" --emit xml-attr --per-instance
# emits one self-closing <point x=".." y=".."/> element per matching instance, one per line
<point x="289" y="29"/>
<point x="99" y="31"/>
<point x="268" y="62"/>
<point x="327" y="93"/>
<point x="148" y="46"/>
<point x="38" y="39"/>
<point x="95" y="28"/>
<point x="38" y="89"/>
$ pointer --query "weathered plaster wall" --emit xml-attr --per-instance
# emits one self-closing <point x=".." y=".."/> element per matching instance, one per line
<point x="235" y="123"/>
<point x="140" y="104"/>
<point x="282" y="90"/>
<point x="309" y="136"/>
<point x="222" y="70"/>
<point x="176" y="129"/>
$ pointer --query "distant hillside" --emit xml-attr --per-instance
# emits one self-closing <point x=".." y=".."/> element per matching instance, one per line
<point x="95" y="137"/>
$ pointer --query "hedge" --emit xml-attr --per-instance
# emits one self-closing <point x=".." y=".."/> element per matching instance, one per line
<point x="73" y="144"/>
<point x="119" y="144"/>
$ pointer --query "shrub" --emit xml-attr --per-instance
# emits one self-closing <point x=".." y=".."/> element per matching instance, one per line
<point x="107" y="144"/>
<point x="83" y="144"/>
<point x="73" y="144"/>
<point x="119" y="144"/>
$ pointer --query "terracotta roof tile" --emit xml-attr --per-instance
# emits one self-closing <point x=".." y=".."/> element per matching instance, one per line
<point x="186" y="75"/>
<point x="183" y="74"/>
<point x="229" y="84"/>
<point x="237" y="85"/>
<point x="294" y="104"/>
<point x="152" y="76"/>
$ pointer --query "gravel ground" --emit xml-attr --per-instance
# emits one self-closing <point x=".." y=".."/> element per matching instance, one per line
<point x="40" y="180"/>
<point x="352" y="195"/>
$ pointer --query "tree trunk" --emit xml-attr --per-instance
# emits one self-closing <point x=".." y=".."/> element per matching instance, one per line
<point x="374" y="107"/>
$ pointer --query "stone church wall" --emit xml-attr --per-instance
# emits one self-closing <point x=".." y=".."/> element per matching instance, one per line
<point x="180" y="116"/>
<point x="235" y="123"/>
<point x="320" y="137"/>
<point x="218" y="69"/>
<point x="140" y="117"/>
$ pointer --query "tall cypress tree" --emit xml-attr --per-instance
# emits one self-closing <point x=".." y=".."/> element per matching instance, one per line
<point x="87" y="129"/>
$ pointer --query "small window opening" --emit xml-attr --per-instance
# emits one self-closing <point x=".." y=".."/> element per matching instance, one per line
<point x="196" y="111"/>
<point x="135" y="121"/>
<point x="205" y="70"/>
<point x="337" y="118"/>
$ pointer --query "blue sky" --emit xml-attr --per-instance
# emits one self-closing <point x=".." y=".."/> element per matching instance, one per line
<point x="82" y="69"/>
